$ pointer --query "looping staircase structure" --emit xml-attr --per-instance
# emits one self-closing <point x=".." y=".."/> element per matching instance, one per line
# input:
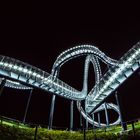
<point x="22" y="76"/>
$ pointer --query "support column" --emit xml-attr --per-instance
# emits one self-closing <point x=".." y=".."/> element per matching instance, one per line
<point x="93" y="120"/>
<point x="124" y="126"/>
<point x="80" y="120"/>
<point x="84" y="132"/>
<point x="2" y="85"/>
<point x="86" y="120"/>
<point x="71" y="116"/>
<point x="27" y="106"/>
<point x="106" y="115"/>
<point x="99" y="120"/>
<point x="52" y="112"/>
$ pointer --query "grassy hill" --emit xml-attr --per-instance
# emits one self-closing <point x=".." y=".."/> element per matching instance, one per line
<point x="13" y="131"/>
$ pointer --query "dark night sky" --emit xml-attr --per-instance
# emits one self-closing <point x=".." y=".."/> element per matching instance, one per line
<point x="39" y="38"/>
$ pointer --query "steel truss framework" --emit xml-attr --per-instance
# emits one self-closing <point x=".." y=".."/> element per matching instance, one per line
<point x="22" y="76"/>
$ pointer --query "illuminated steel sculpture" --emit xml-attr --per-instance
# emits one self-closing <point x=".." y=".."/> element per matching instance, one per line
<point x="19" y="75"/>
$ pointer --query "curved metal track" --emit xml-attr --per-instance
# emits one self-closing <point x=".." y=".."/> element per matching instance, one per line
<point x="21" y="75"/>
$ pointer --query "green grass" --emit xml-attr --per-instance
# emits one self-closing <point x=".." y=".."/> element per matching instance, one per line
<point x="10" y="130"/>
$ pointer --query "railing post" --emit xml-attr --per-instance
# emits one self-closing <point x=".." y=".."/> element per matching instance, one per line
<point x="27" y="106"/>
<point x="1" y="119"/>
<point x="133" y="128"/>
<point x="36" y="127"/>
